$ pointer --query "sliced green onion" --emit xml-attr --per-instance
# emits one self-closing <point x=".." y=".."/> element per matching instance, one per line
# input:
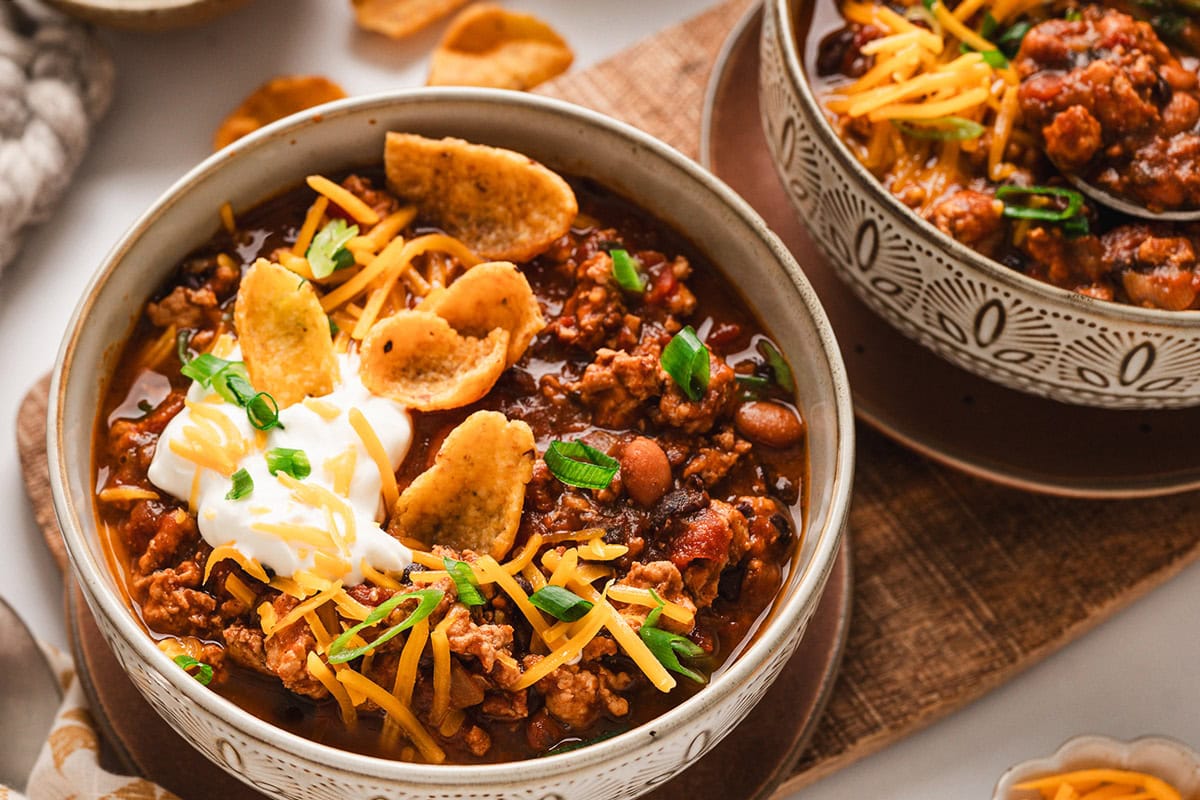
<point x="243" y="485"/>
<point x="685" y="358"/>
<point x="994" y="59"/>
<point x="560" y="603"/>
<point x="203" y="368"/>
<point x="263" y="412"/>
<point x="203" y="673"/>
<point x="342" y="259"/>
<point x="753" y="381"/>
<point x="569" y="746"/>
<point x="324" y="254"/>
<point x="667" y="647"/>
<point x="1073" y="15"/>
<point x="625" y="270"/>
<point x="233" y="384"/>
<point x="577" y="464"/>
<point x="227" y="378"/>
<point x="428" y="601"/>
<point x="464" y="582"/>
<point x="989" y="25"/>
<point x="333" y="328"/>
<point x="182" y="341"/>
<point x="285" y="459"/>
<point x="1013" y="211"/>
<point x="947" y="129"/>
<point x="230" y="380"/>
<point x="1009" y="42"/>
<point x="1076" y="227"/>
<point x="778" y="364"/>
<point x="1169" y="26"/>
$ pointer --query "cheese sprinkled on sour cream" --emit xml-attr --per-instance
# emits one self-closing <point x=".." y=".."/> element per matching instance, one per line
<point x="260" y="525"/>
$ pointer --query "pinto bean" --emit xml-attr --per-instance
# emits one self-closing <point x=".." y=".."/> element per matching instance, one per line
<point x="645" y="471"/>
<point x="769" y="423"/>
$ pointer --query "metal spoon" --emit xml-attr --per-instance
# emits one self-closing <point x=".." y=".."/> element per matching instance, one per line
<point x="1116" y="203"/>
<point x="29" y="699"/>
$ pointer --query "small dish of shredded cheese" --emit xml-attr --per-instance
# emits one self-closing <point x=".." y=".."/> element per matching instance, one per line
<point x="1100" y="768"/>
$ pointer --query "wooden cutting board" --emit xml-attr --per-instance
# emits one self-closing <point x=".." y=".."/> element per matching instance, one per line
<point x="936" y="552"/>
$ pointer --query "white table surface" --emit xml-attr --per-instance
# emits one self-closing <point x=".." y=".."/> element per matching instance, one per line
<point x="1133" y="676"/>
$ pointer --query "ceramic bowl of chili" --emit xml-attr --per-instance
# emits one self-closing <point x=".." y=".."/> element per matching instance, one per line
<point x="1031" y="286"/>
<point x="343" y="136"/>
<point x="147" y="15"/>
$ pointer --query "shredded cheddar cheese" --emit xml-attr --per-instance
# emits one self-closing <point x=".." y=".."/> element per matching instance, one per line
<point x="293" y="532"/>
<point x="375" y="448"/>
<point x="493" y="571"/>
<point x="590" y="625"/>
<point x="410" y="656"/>
<point x="322" y="408"/>
<point x="318" y="669"/>
<point x="626" y="638"/>
<point x="573" y="536"/>
<point x="344" y="199"/>
<point x="228" y="551"/>
<point x="311" y="220"/>
<point x="297" y="264"/>
<point x="227" y="219"/>
<point x="525" y="557"/>
<point x="402" y="263"/>
<point x="288" y="587"/>
<point x="126" y="494"/>
<point x="401" y="714"/>
<point x="293" y="616"/>
<point x="440" y="644"/>
<point x="384" y="231"/>
<point x="236" y="587"/>
<point x="642" y="597"/>
<point x="597" y="550"/>
<point x="952" y="73"/>
<point x="564" y="568"/>
<point x="376" y="577"/>
<point x="1102" y="783"/>
<point x="350" y="608"/>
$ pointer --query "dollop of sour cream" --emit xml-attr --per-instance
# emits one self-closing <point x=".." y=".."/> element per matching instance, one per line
<point x="251" y="523"/>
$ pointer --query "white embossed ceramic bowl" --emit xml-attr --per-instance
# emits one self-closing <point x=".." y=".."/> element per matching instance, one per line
<point x="975" y="312"/>
<point x="147" y="15"/>
<point x="1172" y="761"/>
<point x="350" y="133"/>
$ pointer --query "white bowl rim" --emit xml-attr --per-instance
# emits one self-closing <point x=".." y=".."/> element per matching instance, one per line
<point x="137" y="6"/>
<point x="1061" y="298"/>
<point x="797" y="607"/>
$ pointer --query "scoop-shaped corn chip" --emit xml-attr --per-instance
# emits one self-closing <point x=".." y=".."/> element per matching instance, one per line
<point x="486" y="297"/>
<point x="471" y="498"/>
<point x="487" y="45"/>
<point x="275" y="99"/>
<point x="501" y="204"/>
<point x="400" y="18"/>
<point x="284" y="335"/>
<point x="416" y="358"/>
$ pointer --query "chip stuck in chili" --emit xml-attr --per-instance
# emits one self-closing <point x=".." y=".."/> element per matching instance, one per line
<point x="484" y="464"/>
<point x="503" y="205"/>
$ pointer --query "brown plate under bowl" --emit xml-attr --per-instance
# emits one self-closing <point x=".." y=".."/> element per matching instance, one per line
<point x="908" y="392"/>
